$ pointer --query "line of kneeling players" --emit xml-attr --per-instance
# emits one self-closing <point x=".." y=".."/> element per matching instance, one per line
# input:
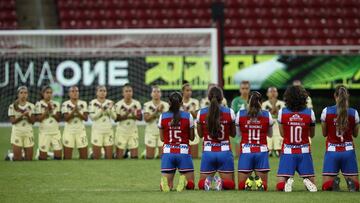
<point x="214" y="124"/>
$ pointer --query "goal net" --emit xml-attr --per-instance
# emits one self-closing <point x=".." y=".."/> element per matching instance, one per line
<point x="87" y="58"/>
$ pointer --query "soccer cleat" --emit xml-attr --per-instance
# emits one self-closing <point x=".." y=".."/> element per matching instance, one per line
<point x="350" y="184"/>
<point x="182" y="183"/>
<point x="277" y="153"/>
<point x="164" y="184"/>
<point x="336" y="184"/>
<point x="288" y="185"/>
<point x="218" y="183"/>
<point x="249" y="183"/>
<point x="258" y="184"/>
<point x="270" y="154"/>
<point x="143" y="155"/>
<point x="208" y="182"/>
<point x="310" y="186"/>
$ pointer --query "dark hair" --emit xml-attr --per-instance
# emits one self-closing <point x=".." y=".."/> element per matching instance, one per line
<point x="245" y="82"/>
<point x="175" y="100"/>
<point x="295" y="98"/>
<point x="215" y="97"/>
<point x="185" y="85"/>
<point x="342" y="106"/>
<point x="43" y="90"/>
<point x="254" y="104"/>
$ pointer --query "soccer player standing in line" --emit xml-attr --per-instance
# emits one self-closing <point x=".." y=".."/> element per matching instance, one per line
<point x="102" y="134"/>
<point x="273" y="105"/>
<point x="128" y="110"/>
<point x="48" y="114"/>
<point x="176" y="130"/>
<point x="21" y="114"/>
<point x="240" y="102"/>
<point x="152" y="111"/>
<point x="339" y="124"/>
<point x="75" y="112"/>
<point x="255" y="126"/>
<point x="297" y="124"/>
<point x="191" y="105"/>
<point x="216" y="124"/>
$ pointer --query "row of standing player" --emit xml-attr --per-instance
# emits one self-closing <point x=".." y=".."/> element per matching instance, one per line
<point x="102" y="111"/>
<point x="216" y="123"/>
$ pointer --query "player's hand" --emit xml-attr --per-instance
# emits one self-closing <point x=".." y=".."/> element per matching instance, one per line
<point x="160" y="108"/>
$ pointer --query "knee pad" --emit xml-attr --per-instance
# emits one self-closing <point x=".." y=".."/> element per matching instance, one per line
<point x="241" y="185"/>
<point x="190" y="185"/>
<point x="280" y="186"/>
<point x="327" y="185"/>
<point x="228" y="184"/>
<point x="201" y="184"/>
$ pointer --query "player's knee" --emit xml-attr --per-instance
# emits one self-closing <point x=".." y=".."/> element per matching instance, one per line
<point x="327" y="185"/>
<point x="280" y="186"/>
<point x="201" y="184"/>
<point x="241" y="185"/>
<point x="190" y="185"/>
<point x="228" y="184"/>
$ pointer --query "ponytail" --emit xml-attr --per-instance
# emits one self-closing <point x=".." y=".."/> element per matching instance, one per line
<point x="213" y="117"/>
<point x="175" y="100"/>
<point x="342" y="106"/>
<point x="254" y="104"/>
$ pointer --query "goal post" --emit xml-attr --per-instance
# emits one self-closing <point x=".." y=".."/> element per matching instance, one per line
<point x="87" y="58"/>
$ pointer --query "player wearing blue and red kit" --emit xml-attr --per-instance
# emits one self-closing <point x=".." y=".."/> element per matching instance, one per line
<point x="216" y="124"/>
<point x="339" y="124"/>
<point x="255" y="125"/>
<point x="176" y="130"/>
<point x="297" y="124"/>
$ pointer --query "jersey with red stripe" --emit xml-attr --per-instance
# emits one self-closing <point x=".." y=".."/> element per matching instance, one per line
<point x="253" y="131"/>
<point x="176" y="138"/>
<point x="222" y="143"/>
<point x="335" y="140"/>
<point x="296" y="128"/>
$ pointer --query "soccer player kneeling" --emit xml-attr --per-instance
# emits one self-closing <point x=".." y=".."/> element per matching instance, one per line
<point x="339" y="124"/>
<point x="296" y="124"/>
<point x="255" y="125"/>
<point x="215" y="124"/>
<point x="102" y="134"/>
<point x="75" y="113"/>
<point x="21" y="114"/>
<point x="48" y="114"/>
<point x="176" y="129"/>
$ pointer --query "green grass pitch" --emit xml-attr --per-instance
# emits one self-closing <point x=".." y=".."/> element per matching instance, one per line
<point x="137" y="181"/>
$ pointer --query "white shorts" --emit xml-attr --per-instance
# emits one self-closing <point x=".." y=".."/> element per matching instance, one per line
<point x="50" y="140"/>
<point x="125" y="139"/>
<point x="153" y="140"/>
<point x="22" y="139"/>
<point x="72" y="138"/>
<point x="101" y="138"/>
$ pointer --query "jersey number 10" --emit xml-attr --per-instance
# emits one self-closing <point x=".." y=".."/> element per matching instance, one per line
<point x="295" y="134"/>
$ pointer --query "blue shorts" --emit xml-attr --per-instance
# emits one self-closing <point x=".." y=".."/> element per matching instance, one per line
<point x="170" y="162"/>
<point x="222" y="162"/>
<point x="302" y="163"/>
<point x="249" y="162"/>
<point x="344" y="161"/>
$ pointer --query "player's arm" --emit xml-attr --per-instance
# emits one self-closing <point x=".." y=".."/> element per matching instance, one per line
<point x="357" y="125"/>
<point x="94" y="113"/>
<point x="270" y="132"/>
<point x="148" y="117"/>
<point x="356" y="130"/>
<point x="323" y="122"/>
<point x="198" y="126"/>
<point x="57" y="116"/>
<point x="138" y="114"/>
<point x="161" y="134"/>
<point x="312" y="131"/>
<point x="281" y="127"/>
<point x="83" y="116"/>
<point x="312" y="124"/>
<point x="192" y="134"/>
<point x="232" y="130"/>
<point x="69" y="116"/>
<point x="30" y="118"/>
<point x="14" y="120"/>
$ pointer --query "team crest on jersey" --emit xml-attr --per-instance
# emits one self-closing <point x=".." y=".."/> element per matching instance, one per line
<point x="43" y="147"/>
<point x="16" y="141"/>
<point x="95" y="141"/>
<point x="295" y="117"/>
<point x="66" y="141"/>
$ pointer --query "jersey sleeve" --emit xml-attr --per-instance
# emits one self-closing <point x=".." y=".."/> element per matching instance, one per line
<point x="37" y="108"/>
<point x="159" y="122"/>
<point x="234" y="106"/>
<point x="146" y="108"/>
<point x="191" y="121"/>
<point x="86" y="110"/>
<point x="313" y="118"/>
<point x="271" y="121"/>
<point x="64" y="109"/>
<point x="356" y="117"/>
<point x="279" y="119"/>
<point x="263" y="105"/>
<point x="237" y="119"/>
<point x="323" y="115"/>
<point x="233" y="116"/>
<point x="198" y="117"/>
<point x="138" y="105"/>
<point x="94" y="113"/>
<point x="11" y="110"/>
<point x="57" y="107"/>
